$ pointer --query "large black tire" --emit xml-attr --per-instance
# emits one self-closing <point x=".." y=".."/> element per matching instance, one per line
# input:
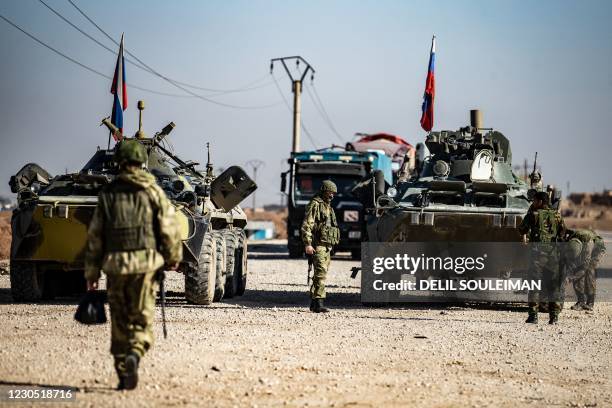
<point x="221" y="265"/>
<point x="241" y="263"/>
<point x="231" y="273"/>
<point x="27" y="284"/>
<point x="356" y="254"/>
<point x="200" y="281"/>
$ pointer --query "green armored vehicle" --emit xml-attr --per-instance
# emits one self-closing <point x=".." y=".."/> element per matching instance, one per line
<point x="464" y="191"/>
<point x="464" y="199"/>
<point x="50" y="223"/>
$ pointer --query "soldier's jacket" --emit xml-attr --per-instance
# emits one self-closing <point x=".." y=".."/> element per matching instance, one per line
<point x="531" y="225"/>
<point x="134" y="228"/>
<point x="593" y="248"/>
<point x="319" y="226"/>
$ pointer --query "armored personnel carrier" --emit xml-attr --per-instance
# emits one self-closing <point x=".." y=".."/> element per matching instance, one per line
<point x="464" y="191"/>
<point x="50" y="223"/>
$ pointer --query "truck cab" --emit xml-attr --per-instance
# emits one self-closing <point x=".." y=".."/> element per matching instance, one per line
<point x="302" y="182"/>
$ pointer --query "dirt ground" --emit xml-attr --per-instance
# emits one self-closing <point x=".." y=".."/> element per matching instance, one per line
<point x="266" y="349"/>
<point x="5" y="234"/>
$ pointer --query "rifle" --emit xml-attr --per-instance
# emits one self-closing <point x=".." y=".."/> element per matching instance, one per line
<point x="310" y="264"/>
<point x="161" y="277"/>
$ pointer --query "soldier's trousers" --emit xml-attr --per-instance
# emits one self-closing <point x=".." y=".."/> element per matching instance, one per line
<point x="549" y="275"/>
<point x="132" y="309"/>
<point x="584" y="283"/>
<point x="321" y="259"/>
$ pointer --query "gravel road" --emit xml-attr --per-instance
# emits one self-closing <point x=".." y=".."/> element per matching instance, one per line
<point x="266" y="349"/>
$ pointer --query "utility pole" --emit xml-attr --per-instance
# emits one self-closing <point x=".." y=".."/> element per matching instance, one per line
<point x="255" y="164"/>
<point x="297" y="92"/>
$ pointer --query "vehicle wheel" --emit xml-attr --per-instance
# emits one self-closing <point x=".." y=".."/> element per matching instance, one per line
<point x="221" y="265"/>
<point x="200" y="280"/>
<point x="356" y="254"/>
<point x="27" y="284"/>
<point x="231" y="273"/>
<point x="241" y="263"/>
<point x="295" y="252"/>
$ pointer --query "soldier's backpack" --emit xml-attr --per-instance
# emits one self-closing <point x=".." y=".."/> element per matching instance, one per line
<point x="548" y="225"/>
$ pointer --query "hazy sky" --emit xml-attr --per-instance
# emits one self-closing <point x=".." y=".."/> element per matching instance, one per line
<point x="540" y="71"/>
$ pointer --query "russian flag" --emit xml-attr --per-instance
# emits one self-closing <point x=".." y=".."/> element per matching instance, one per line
<point x="119" y="90"/>
<point x="430" y="90"/>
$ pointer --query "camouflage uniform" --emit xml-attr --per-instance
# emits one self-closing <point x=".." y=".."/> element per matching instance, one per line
<point x="132" y="234"/>
<point x="581" y="269"/>
<point x="320" y="230"/>
<point x="544" y="227"/>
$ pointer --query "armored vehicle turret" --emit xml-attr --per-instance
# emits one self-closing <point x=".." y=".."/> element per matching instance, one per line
<point x="465" y="190"/>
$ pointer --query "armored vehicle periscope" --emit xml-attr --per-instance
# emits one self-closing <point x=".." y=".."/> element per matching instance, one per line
<point x="50" y="223"/>
<point x="464" y="191"/>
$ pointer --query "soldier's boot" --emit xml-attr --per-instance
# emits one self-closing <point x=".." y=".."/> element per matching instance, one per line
<point x="131" y="371"/>
<point x="120" y="370"/>
<point x="532" y="318"/>
<point x="590" y="303"/>
<point x="312" y="305"/>
<point x="553" y="318"/>
<point x="578" y="306"/>
<point x="318" y="306"/>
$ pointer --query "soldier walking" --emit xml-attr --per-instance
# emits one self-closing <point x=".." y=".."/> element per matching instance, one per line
<point x="132" y="235"/>
<point x="544" y="227"/>
<point x="584" y="252"/>
<point x="319" y="234"/>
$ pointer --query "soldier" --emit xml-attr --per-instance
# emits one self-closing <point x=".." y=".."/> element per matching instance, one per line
<point x="544" y="227"/>
<point x="319" y="234"/>
<point x="586" y="249"/>
<point x="132" y="235"/>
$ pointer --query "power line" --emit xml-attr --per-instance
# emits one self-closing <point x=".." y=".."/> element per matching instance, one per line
<point x="94" y="71"/>
<point x="247" y="87"/>
<point x="325" y="114"/>
<point x="310" y="137"/>
<point x="88" y="68"/>
<point x="174" y="82"/>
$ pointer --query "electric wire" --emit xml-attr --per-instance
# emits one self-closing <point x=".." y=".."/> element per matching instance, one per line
<point x="174" y="82"/>
<point x="323" y="116"/>
<point x="86" y="67"/>
<point x="329" y="121"/>
<point x="280" y="91"/>
<point x="247" y="87"/>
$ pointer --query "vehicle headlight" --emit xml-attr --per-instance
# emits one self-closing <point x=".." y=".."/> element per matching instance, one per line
<point x="392" y="192"/>
<point x="351" y="216"/>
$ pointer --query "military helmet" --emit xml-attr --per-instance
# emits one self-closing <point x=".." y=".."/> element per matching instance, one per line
<point x="574" y="248"/>
<point x="130" y="151"/>
<point x="329" y="185"/>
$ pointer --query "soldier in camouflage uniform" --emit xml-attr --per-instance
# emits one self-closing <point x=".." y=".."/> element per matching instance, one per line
<point x="544" y="227"/>
<point x="319" y="234"/>
<point x="132" y="235"/>
<point x="586" y="249"/>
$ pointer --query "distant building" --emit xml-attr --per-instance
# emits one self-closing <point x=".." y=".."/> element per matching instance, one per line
<point x="258" y="230"/>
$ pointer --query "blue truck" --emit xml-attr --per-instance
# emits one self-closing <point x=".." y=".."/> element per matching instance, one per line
<point x="302" y="181"/>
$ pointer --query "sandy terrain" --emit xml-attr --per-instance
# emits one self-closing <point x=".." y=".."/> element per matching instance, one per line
<point x="266" y="349"/>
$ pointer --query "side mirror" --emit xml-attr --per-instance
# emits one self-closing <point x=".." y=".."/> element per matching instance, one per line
<point x="283" y="182"/>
